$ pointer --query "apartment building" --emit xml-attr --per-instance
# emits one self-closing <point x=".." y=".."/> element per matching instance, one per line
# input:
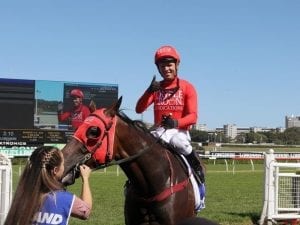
<point x="292" y="121"/>
<point x="230" y="130"/>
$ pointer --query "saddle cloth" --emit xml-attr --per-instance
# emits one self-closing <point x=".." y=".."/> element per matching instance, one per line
<point x="199" y="189"/>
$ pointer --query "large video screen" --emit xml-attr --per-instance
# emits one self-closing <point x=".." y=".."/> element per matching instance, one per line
<point x="35" y="112"/>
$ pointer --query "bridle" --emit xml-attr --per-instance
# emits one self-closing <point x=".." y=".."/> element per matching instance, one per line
<point x="103" y="143"/>
<point x="89" y="153"/>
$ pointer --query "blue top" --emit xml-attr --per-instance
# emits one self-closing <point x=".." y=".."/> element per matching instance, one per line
<point x="56" y="209"/>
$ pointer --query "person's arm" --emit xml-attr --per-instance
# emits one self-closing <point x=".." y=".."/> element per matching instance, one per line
<point x="86" y="194"/>
<point x="190" y="108"/>
<point x="147" y="98"/>
<point x="82" y="206"/>
<point x="63" y="116"/>
<point x="144" y="101"/>
<point x="80" y="209"/>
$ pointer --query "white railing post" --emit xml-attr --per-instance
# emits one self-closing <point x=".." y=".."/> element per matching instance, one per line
<point x="5" y="186"/>
<point x="268" y="183"/>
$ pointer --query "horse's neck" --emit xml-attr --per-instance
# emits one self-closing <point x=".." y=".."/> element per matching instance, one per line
<point x="149" y="173"/>
<point x="150" y="170"/>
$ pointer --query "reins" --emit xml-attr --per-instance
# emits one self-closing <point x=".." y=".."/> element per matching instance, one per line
<point x="130" y="158"/>
<point x="89" y="155"/>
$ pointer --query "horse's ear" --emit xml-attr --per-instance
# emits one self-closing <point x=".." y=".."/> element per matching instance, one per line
<point x="92" y="106"/>
<point x="112" y="111"/>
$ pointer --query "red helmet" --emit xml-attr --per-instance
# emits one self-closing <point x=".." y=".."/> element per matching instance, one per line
<point x="166" y="51"/>
<point x="77" y="93"/>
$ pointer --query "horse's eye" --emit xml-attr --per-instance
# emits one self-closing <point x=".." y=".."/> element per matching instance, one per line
<point x="93" y="132"/>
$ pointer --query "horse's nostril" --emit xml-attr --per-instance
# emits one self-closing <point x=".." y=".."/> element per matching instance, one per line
<point x="69" y="179"/>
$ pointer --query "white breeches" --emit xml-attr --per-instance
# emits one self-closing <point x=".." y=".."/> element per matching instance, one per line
<point x="179" y="139"/>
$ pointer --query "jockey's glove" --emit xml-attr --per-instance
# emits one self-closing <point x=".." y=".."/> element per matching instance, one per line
<point x="168" y="123"/>
<point x="154" y="86"/>
<point x="60" y="107"/>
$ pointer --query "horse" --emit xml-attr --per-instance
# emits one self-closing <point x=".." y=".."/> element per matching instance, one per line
<point x="158" y="190"/>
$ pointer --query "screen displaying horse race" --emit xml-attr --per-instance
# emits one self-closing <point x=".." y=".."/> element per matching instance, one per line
<point x="35" y="112"/>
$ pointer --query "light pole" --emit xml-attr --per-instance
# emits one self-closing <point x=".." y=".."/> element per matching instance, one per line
<point x="36" y="101"/>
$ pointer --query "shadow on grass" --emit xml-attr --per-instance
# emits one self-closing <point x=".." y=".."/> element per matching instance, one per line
<point x="253" y="216"/>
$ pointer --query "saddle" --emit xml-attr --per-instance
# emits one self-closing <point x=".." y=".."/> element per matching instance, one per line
<point x="198" y="186"/>
<point x="180" y="158"/>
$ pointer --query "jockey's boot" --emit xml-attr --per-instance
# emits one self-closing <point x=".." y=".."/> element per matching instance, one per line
<point x="194" y="161"/>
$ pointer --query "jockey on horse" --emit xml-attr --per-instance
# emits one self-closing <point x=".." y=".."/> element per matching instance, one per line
<point x="175" y="107"/>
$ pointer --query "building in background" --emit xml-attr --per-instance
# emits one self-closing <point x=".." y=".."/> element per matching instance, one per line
<point x="201" y="127"/>
<point x="292" y="121"/>
<point x="230" y="130"/>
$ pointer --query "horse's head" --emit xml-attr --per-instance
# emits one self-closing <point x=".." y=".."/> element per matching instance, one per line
<point x="92" y="143"/>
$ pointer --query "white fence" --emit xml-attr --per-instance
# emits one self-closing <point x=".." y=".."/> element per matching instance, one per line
<point x="282" y="191"/>
<point x="5" y="186"/>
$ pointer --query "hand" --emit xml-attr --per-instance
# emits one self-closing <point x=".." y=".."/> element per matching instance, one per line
<point x="168" y="123"/>
<point x="154" y="86"/>
<point x="60" y="107"/>
<point x="85" y="171"/>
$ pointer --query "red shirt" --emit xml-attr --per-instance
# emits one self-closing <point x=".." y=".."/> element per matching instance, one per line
<point x="182" y="104"/>
<point x="77" y="116"/>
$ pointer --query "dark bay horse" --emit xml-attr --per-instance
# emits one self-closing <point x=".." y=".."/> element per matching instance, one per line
<point x="159" y="191"/>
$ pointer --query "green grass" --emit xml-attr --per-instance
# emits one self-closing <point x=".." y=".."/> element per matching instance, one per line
<point x="234" y="197"/>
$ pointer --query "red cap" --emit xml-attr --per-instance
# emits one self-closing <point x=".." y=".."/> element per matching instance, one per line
<point x="166" y="51"/>
<point x="77" y="93"/>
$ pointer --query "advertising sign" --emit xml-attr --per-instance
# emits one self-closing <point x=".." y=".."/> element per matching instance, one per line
<point x="251" y="155"/>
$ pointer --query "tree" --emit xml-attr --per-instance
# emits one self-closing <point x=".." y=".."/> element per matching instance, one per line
<point x="241" y="138"/>
<point x="291" y="136"/>
<point x="256" y="138"/>
<point x="274" y="137"/>
<point x="199" y="136"/>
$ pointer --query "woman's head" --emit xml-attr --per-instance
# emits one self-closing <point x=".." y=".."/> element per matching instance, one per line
<point x="41" y="175"/>
<point x="49" y="162"/>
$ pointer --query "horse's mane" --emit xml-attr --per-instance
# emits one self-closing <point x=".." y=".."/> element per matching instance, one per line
<point x="138" y="124"/>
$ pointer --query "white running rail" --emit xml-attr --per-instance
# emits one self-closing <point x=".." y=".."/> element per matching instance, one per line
<point x="282" y="191"/>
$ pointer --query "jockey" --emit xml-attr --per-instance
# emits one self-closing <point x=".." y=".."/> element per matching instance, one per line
<point x="79" y="111"/>
<point x="175" y="106"/>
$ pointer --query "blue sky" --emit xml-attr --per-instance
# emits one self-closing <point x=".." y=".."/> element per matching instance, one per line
<point x="242" y="56"/>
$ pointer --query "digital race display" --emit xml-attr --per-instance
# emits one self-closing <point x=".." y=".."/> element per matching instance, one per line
<point x="28" y="109"/>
